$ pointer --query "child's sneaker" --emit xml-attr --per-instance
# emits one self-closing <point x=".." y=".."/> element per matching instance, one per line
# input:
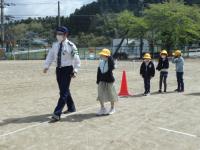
<point x="145" y="94"/>
<point x="102" y="111"/>
<point x="112" y="111"/>
<point x="181" y="91"/>
<point x="148" y="94"/>
<point x="177" y="90"/>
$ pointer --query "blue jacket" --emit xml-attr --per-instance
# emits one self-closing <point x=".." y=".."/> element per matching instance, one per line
<point x="179" y="63"/>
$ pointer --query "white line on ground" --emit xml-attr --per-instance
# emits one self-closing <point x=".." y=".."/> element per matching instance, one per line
<point x="178" y="132"/>
<point x="41" y="123"/>
<point x="22" y="129"/>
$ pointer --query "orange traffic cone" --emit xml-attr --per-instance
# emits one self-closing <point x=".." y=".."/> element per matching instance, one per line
<point x="124" y="87"/>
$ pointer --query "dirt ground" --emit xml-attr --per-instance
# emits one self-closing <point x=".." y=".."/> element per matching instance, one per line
<point x="159" y="122"/>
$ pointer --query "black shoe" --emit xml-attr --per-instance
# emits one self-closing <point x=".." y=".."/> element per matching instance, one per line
<point x="67" y="112"/>
<point x="54" y="119"/>
<point x="177" y="90"/>
<point x="181" y="91"/>
<point x="159" y="91"/>
<point x="165" y="91"/>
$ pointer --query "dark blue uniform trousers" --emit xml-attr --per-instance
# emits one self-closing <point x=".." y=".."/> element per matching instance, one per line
<point x="147" y="84"/>
<point x="64" y="78"/>
<point x="180" y="81"/>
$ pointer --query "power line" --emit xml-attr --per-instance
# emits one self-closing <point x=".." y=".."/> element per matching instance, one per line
<point x="56" y="15"/>
<point x="30" y="15"/>
<point x="22" y="4"/>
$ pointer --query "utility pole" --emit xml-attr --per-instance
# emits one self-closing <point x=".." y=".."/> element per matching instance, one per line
<point x="58" y="13"/>
<point x="2" y="23"/>
<point x="141" y="5"/>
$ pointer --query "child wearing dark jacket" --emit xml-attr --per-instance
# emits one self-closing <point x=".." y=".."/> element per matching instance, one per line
<point x="147" y="71"/>
<point x="163" y="66"/>
<point x="105" y="80"/>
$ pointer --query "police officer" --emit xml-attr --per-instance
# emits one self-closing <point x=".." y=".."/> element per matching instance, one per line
<point x="65" y="54"/>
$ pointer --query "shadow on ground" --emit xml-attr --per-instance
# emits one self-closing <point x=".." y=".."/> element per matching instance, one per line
<point x="153" y="93"/>
<point x="73" y="117"/>
<point x="80" y="117"/>
<point x="193" y="94"/>
<point x="27" y="119"/>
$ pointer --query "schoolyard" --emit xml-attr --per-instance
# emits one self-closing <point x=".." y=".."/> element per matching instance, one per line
<point x="168" y="121"/>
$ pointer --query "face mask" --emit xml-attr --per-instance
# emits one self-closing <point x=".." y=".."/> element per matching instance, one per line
<point x="163" y="56"/>
<point x="59" y="38"/>
<point x="104" y="58"/>
<point x="146" y="60"/>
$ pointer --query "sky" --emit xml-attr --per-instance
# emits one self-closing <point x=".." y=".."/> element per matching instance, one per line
<point x="42" y="8"/>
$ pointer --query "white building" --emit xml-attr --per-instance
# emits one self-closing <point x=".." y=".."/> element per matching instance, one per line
<point x="130" y="46"/>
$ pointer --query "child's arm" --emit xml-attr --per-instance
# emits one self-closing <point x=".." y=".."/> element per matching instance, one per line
<point x="175" y="60"/>
<point x="153" y="70"/>
<point x="183" y="60"/>
<point x="141" y="69"/>
<point x="159" y="65"/>
<point x="111" y="63"/>
<point x="98" y="75"/>
<point x="167" y="64"/>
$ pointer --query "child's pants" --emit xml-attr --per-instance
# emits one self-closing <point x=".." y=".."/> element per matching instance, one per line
<point x="163" y="79"/>
<point x="147" y="85"/>
<point x="180" y="81"/>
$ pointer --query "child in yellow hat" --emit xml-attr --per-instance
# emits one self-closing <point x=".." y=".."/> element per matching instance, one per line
<point x="163" y="66"/>
<point x="147" y="71"/>
<point x="105" y="80"/>
<point x="178" y="60"/>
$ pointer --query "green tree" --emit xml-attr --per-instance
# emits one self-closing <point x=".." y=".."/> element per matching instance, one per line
<point x="91" y="40"/>
<point x="130" y="26"/>
<point x="173" y="24"/>
<point x="19" y="31"/>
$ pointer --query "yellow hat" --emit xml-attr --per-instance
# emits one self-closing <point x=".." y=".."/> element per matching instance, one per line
<point x="105" y="52"/>
<point x="163" y="52"/>
<point x="147" y="56"/>
<point x="177" y="53"/>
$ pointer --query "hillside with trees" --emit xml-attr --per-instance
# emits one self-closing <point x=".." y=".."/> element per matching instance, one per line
<point x="168" y="23"/>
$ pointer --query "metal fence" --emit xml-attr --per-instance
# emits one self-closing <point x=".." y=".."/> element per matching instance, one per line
<point x="91" y="53"/>
<point x="27" y="55"/>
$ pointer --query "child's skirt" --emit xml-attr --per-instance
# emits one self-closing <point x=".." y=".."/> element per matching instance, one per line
<point x="106" y="92"/>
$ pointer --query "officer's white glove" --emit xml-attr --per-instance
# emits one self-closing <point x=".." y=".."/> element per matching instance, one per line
<point x="74" y="74"/>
